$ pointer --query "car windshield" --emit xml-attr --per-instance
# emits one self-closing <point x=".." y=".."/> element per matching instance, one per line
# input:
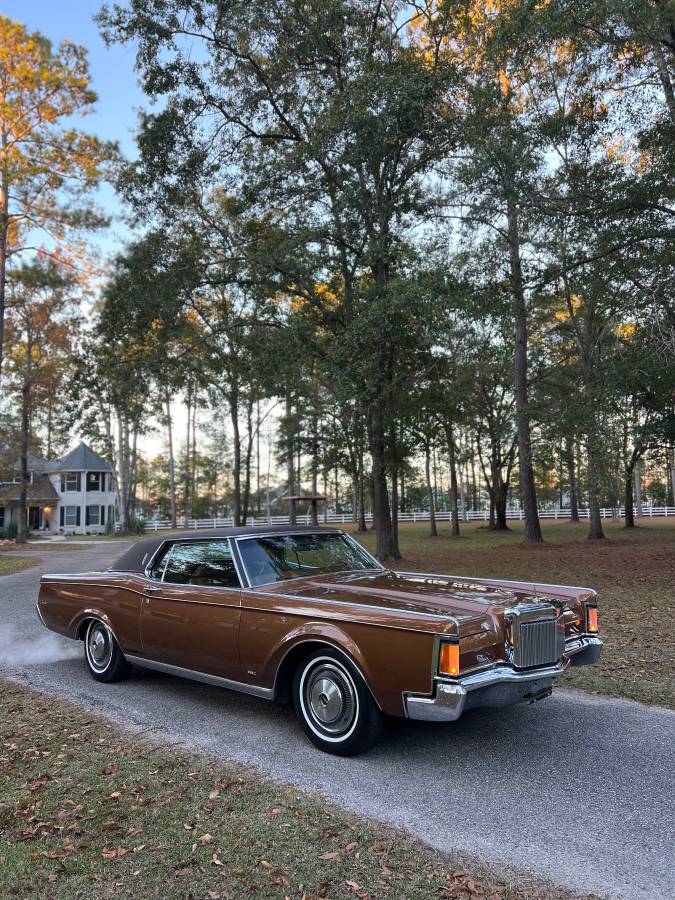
<point x="284" y="556"/>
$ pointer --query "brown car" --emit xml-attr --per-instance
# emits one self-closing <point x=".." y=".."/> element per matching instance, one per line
<point x="307" y="614"/>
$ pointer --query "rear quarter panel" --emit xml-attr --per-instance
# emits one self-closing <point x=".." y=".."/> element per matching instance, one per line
<point x="66" y="601"/>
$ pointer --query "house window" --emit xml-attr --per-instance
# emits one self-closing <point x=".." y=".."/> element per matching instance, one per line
<point x="95" y="481"/>
<point x="72" y="515"/>
<point x="93" y="515"/>
<point x="2" y="516"/>
<point x="70" y="481"/>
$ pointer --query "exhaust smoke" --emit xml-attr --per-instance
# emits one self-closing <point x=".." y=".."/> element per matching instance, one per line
<point x="16" y="648"/>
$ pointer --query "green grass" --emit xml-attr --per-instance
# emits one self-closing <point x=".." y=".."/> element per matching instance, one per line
<point x="88" y="812"/>
<point x="11" y="564"/>
<point x="633" y="571"/>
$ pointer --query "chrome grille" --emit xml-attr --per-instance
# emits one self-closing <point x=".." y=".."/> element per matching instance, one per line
<point x="538" y="643"/>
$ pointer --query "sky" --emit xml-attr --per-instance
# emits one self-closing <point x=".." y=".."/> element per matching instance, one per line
<point x="113" y="79"/>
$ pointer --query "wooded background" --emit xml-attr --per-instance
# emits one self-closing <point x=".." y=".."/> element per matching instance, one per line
<point x="425" y="249"/>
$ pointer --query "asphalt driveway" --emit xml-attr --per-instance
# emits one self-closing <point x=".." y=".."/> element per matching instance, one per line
<point x="578" y="789"/>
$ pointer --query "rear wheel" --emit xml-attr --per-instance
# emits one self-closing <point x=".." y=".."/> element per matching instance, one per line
<point x="332" y="701"/>
<point x="104" y="658"/>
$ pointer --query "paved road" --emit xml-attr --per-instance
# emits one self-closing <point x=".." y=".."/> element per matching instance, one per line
<point x="577" y="789"/>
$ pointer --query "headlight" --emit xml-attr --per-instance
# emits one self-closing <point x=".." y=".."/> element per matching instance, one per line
<point x="591" y="618"/>
<point x="449" y="659"/>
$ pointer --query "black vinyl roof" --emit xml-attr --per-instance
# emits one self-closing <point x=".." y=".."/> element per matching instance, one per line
<point x="137" y="557"/>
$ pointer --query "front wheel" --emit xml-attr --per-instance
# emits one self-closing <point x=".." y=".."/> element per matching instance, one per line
<point x="104" y="658"/>
<point x="332" y="701"/>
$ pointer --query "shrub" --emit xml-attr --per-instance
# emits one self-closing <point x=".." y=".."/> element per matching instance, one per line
<point x="136" y="525"/>
<point x="110" y="526"/>
<point x="11" y="530"/>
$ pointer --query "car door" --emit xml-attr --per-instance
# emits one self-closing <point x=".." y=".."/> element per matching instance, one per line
<point x="191" y="608"/>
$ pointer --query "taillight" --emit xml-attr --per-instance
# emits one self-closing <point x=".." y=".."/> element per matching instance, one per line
<point x="449" y="659"/>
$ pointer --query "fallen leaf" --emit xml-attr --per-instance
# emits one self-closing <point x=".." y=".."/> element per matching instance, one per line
<point x="205" y="839"/>
<point x="214" y="793"/>
<point x="266" y="865"/>
<point x="216" y="860"/>
<point x="330" y="855"/>
<point x="109" y="853"/>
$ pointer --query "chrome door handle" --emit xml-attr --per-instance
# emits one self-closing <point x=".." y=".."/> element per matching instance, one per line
<point x="151" y="589"/>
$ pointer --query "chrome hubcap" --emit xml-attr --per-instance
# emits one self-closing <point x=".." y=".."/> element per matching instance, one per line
<point x="99" y="645"/>
<point x="330" y="698"/>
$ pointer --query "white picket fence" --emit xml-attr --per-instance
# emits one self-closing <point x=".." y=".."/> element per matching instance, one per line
<point x="418" y="516"/>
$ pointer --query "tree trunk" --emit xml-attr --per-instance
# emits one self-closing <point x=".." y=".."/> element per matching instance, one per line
<point x="186" y="470"/>
<point x="638" y="488"/>
<point x="670" y="464"/>
<point x="314" y="506"/>
<point x="246" y="494"/>
<point x="290" y="463"/>
<point x="193" y="479"/>
<point x="361" y="525"/>
<point x="452" y="459"/>
<point x="433" y="530"/>
<point x="25" y="429"/>
<point x="572" y="479"/>
<point x="664" y="78"/>
<point x="236" y="460"/>
<point x="4" y="233"/>
<point x="385" y="546"/>
<point x="527" y="487"/>
<point x="595" y="530"/>
<point x="628" y="500"/>
<point x="172" y="463"/>
<point x="123" y="472"/>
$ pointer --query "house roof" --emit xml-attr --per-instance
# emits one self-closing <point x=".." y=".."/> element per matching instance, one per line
<point x="139" y="554"/>
<point x="41" y="492"/>
<point x="82" y="457"/>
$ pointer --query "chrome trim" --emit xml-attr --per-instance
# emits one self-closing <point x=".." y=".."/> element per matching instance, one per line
<point x="200" y="540"/>
<point x="586" y="645"/>
<point x="446" y="706"/>
<point x="446" y="703"/>
<point x="236" y="559"/>
<point x="39" y="614"/>
<point x="498" y="581"/>
<point x="252" y="689"/>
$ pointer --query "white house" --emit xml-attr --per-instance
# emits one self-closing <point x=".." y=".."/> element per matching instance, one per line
<point x="72" y="495"/>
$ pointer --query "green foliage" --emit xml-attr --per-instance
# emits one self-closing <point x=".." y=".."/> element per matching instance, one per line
<point x="136" y="525"/>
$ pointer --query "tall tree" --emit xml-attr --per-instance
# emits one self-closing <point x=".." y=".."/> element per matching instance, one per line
<point x="48" y="167"/>
<point x="41" y="333"/>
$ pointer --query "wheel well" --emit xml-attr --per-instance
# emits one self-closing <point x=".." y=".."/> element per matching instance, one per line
<point x="284" y="678"/>
<point x="82" y="628"/>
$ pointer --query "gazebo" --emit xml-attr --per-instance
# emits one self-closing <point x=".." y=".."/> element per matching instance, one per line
<point x="312" y="501"/>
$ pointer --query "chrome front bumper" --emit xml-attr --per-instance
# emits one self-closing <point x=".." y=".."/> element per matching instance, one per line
<point x="500" y="686"/>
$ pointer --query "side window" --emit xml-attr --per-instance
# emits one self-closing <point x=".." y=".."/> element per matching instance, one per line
<point x="207" y="563"/>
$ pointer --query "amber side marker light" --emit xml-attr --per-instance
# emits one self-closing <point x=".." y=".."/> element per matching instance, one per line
<point x="449" y="662"/>
<point x="592" y="618"/>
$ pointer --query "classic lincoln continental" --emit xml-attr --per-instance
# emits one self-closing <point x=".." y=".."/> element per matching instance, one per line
<point x="306" y="614"/>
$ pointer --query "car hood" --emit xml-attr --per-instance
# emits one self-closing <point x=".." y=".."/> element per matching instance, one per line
<point x="466" y="599"/>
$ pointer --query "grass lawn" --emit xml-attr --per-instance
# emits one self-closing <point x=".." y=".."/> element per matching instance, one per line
<point x="88" y="812"/>
<point x="11" y="564"/>
<point x="633" y="572"/>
